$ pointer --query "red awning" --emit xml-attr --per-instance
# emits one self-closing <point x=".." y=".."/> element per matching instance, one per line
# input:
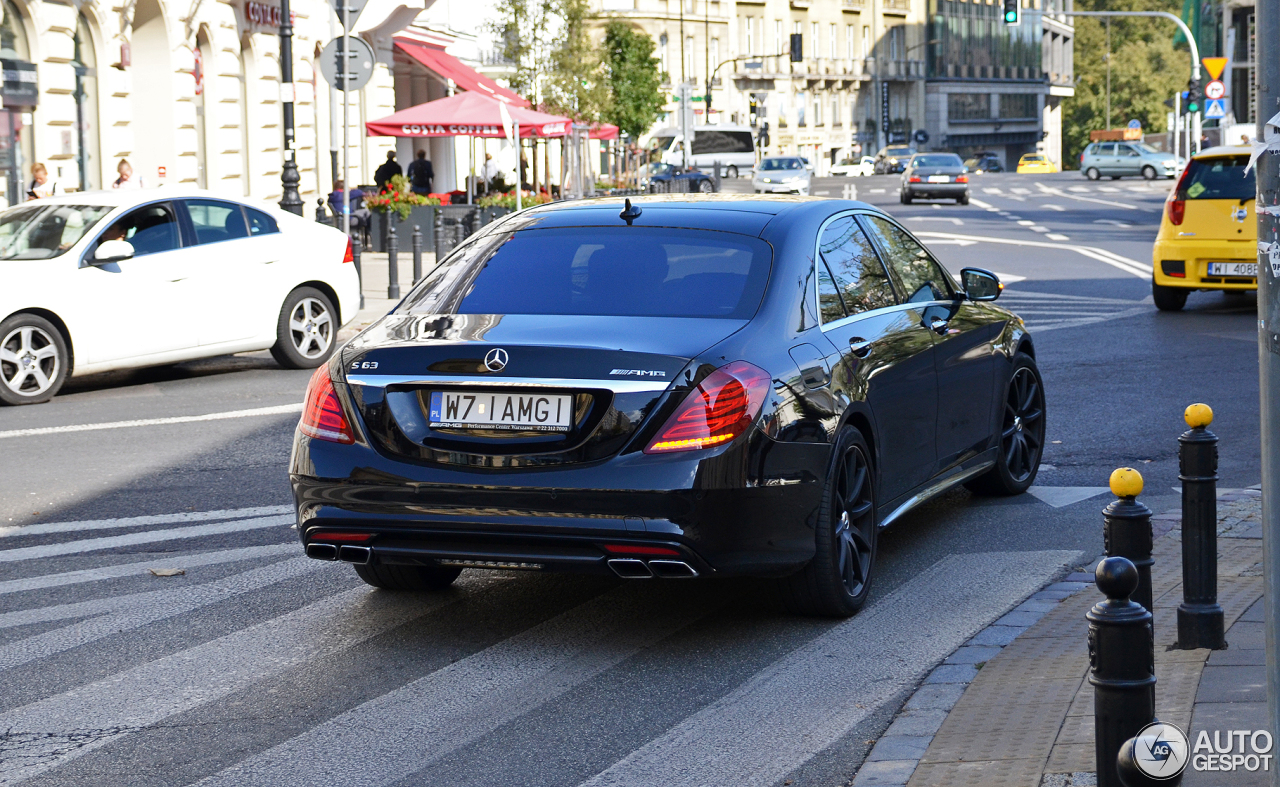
<point x="603" y="131"/>
<point x="465" y="114"/>
<point x="446" y="65"/>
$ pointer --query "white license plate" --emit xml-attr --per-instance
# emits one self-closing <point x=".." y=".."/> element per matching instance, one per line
<point x="939" y="179"/>
<point x="1233" y="269"/>
<point x="535" y="412"/>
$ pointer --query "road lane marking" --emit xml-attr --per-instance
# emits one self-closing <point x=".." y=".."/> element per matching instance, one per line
<point x="139" y="609"/>
<point x="139" y="521"/>
<point x="1079" y="189"/>
<point x="180" y="419"/>
<point x="798" y="706"/>
<point x="1057" y="236"/>
<point x="57" y="729"/>
<point x="1108" y="189"/>
<point x="1125" y="264"/>
<point x="139" y="569"/>
<point x="399" y="733"/>
<point x="1026" y="223"/>
<point x="850" y="191"/>
<point x="1038" y="228"/>
<point x="1113" y="222"/>
<point x="953" y="220"/>
<point x="1021" y="190"/>
<point x="144" y="537"/>
<point x="1059" y="496"/>
<point x="1051" y="206"/>
<point x="1112" y="203"/>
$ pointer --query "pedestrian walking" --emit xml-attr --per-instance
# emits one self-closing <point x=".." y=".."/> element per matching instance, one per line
<point x="127" y="179"/>
<point x="41" y="186"/>
<point x="387" y="171"/>
<point x="421" y="174"/>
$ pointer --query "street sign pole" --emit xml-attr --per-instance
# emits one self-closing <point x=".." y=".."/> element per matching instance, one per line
<point x="290" y="200"/>
<point x="344" y="61"/>
<point x="1267" y="205"/>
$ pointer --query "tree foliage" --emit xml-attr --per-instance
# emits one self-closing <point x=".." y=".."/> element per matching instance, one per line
<point x="575" y="84"/>
<point x="635" y="94"/>
<point x="522" y="27"/>
<point x="1146" y="69"/>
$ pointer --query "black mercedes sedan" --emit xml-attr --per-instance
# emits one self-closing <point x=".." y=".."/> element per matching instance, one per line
<point x="933" y="176"/>
<point x="680" y="387"/>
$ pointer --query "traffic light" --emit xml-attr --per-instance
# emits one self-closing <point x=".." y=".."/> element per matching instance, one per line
<point x="1012" y="12"/>
<point x="1195" y="96"/>
<point x="797" y="47"/>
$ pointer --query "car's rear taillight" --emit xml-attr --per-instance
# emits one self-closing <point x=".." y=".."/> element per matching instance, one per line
<point x="913" y="179"/>
<point x="962" y="178"/>
<point x="719" y="409"/>
<point x="1177" y="205"/>
<point x="349" y="255"/>
<point x="322" y="416"/>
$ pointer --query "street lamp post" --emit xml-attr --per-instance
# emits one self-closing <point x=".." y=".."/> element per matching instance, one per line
<point x="290" y="200"/>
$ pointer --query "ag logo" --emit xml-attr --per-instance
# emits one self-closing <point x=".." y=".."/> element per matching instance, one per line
<point x="1239" y="214"/>
<point x="1160" y="750"/>
<point x="495" y="360"/>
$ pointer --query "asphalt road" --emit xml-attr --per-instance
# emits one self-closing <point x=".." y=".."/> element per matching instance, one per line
<point x="257" y="666"/>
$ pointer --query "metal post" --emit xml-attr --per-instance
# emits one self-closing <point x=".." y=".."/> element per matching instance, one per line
<point x="290" y="200"/>
<point x="333" y="116"/>
<point x="355" y="259"/>
<point x="1200" y="618"/>
<point x="1126" y="530"/>
<point x="1268" y="103"/>
<point x="393" y="269"/>
<point x="345" y="60"/>
<point x="1121" y="666"/>
<point x="417" y="254"/>
<point x="441" y="243"/>
<point x="322" y="216"/>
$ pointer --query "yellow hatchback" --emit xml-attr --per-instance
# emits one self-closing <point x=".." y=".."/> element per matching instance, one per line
<point x="1035" y="164"/>
<point x="1208" y="237"/>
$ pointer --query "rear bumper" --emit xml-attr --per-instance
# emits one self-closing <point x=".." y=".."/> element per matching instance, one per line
<point x="945" y="190"/>
<point x="748" y="509"/>
<point x="1195" y="257"/>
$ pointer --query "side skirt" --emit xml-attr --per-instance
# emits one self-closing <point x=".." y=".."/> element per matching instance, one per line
<point x="957" y="475"/>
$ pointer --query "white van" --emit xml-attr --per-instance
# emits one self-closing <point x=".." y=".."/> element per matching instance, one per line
<point x="733" y="146"/>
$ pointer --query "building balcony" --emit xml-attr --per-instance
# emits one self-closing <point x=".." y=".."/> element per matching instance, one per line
<point x="898" y="69"/>
<point x="897" y="6"/>
<point x="854" y="4"/>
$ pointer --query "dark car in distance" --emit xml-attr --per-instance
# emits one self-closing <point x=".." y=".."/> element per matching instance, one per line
<point x="665" y="178"/>
<point x="892" y="159"/>
<point x="984" y="162"/>
<point x="935" y="176"/>
<point x="683" y="387"/>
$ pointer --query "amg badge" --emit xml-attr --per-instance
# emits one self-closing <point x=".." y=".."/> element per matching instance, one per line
<point x="639" y="372"/>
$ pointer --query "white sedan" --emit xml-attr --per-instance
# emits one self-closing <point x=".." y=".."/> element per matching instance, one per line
<point x="847" y="169"/>
<point x="96" y="281"/>
<point x="781" y="174"/>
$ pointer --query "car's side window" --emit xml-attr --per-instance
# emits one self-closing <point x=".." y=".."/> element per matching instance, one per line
<point x="260" y="223"/>
<point x="149" y="230"/>
<point x="914" y="270"/>
<point x="829" y="304"/>
<point x="1107" y="149"/>
<point x="1126" y="150"/>
<point x="215" y="221"/>
<point x="859" y="275"/>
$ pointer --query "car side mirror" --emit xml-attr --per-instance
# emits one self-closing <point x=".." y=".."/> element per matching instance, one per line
<point x="110" y="251"/>
<point x="980" y="285"/>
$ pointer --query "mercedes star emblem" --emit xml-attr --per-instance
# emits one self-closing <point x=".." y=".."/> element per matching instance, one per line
<point x="495" y="360"/>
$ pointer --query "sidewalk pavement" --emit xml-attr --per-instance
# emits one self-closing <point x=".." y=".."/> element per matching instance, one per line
<point x="1014" y="706"/>
<point x="374" y="280"/>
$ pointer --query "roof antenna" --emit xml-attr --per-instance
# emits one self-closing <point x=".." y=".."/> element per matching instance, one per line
<point x="630" y="213"/>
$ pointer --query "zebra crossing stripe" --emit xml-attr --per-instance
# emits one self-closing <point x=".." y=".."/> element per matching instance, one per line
<point x="800" y="705"/>
<point x="181" y="419"/>
<point x="1125" y="264"/>
<point x="140" y="521"/>
<point x="144" y="537"/>
<point x="57" y="729"/>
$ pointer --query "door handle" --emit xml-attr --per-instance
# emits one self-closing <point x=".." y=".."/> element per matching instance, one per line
<point x="860" y="346"/>
<point x="938" y="325"/>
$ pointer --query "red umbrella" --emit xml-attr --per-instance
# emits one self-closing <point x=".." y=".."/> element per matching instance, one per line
<point x="603" y="131"/>
<point x="467" y="114"/>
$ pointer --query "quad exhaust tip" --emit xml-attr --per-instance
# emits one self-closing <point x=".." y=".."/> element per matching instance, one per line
<point x="322" y="551"/>
<point x="350" y="554"/>
<point x="631" y="568"/>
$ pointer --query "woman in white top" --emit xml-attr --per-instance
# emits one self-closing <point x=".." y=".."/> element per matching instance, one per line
<point x="126" y="179"/>
<point x="41" y="186"/>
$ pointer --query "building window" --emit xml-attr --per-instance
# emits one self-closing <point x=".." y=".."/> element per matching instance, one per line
<point x="1019" y="106"/>
<point x="85" y="63"/>
<point x="817" y="111"/>
<point x="835" y="111"/>
<point x="896" y="42"/>
<point x="778" y="48"/>
<point x="968" y="106"/>
<point x="801" y="100"/>
<point x="834" y="49"/>
<point x="749" y="35"/>
<point x="814" y="35"/>
<point x="866" y="41"/>
<point x="664" y="57"/>
<point x="849" y="42"/>
<point x="691" y="59"/>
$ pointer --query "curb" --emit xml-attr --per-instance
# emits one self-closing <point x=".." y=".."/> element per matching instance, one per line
<point x="896" y="754"/>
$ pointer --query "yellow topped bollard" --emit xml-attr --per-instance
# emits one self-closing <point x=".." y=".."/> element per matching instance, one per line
<point x="1198" y="416"/>
<point x="1126" y="482"/>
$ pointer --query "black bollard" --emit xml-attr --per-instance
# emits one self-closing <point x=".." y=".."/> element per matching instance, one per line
<point x="1200" y="617"/>
<point x="441" y="244"/>
<point x="1159" y="762"/>
<point x="1121" y="665"/>
<point x="417" y="254"/>
<point x="393" y="268"/>
<point x="1126" y="530"/>
<point x="322" y="216"/>
<point x="355" y="259"/>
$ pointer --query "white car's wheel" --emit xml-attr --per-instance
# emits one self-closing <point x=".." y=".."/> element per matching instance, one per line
<point x="307" y="330"/>
<point x="731" y="172"/>
<point x="33" y="360"/>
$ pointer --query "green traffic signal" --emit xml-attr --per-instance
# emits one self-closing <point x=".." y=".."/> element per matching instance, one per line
<point x="1011" y="17"/>
<point x="1193" y="107"/>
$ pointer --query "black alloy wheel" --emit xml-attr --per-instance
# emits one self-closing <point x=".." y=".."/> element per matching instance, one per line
<point x="837" y="581"/>
<point x="1021" y="438"/>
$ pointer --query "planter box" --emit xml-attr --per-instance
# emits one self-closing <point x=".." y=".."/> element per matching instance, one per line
<point x="424" y="216"/>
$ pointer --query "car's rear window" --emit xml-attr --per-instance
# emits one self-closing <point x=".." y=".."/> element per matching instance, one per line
<point x="1220" y="177"/>
<point x="937" y="160"/>
<point x="611" y="271"/>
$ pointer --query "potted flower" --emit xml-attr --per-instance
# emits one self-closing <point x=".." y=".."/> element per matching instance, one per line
<point x="409" y="208"/>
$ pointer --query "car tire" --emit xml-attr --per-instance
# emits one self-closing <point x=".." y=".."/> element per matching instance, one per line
<point x="905" y="198"/>
<point x="407" y="578"/>
<point x="34" y="360"/>
<point x="731" y="172"/>
<point x="1149" y="172"/>
<point x="1115" y="177"/>
<point x="836" y="582"/>
<point x="1020" y="441"/>
<point x="706" y="186"/>
<point x="1169" y="299"/>
<point x="1092" y="173"/>
<point x="963" y="200"/>
<point x="306" y="331"/>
